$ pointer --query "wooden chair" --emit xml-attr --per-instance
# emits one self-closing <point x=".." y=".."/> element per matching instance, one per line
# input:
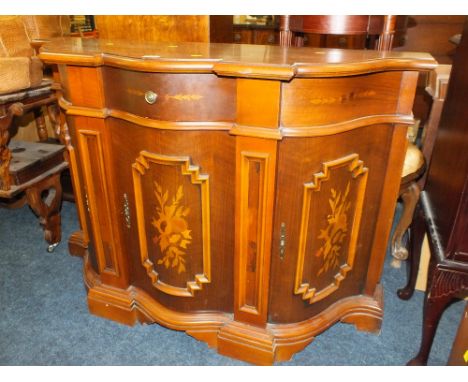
<point x="442" y="211"/>
<point x="414" y="174"/>
<point x="29" y="171"/>
<point x="379" y="32"/>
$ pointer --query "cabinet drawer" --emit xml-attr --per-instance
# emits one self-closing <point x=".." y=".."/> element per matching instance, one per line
<point x="179" y="97"/>
<point x="321" y="101"/>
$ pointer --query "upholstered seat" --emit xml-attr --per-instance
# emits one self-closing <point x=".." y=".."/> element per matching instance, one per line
<point x="414" y="161"/>
<point x="19" y="68"/>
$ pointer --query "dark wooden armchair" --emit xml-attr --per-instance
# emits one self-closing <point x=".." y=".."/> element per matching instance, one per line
<point x="29" y="171"/>
<point x="442" y="211"/>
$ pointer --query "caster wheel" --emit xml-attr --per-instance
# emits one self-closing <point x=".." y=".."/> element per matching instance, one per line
<point x="51" y="247"/>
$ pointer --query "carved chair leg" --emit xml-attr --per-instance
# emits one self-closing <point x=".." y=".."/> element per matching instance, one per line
<point x="15" y="109"/>
<point x="435" y="303"/>
<point x="410" y="197"/>
<point x="53" y="111"/>
<point x="45" y="199"/>
<point x="41" y="125"/>
<point x="417" y="232"/>
<point x="5" y="159"/>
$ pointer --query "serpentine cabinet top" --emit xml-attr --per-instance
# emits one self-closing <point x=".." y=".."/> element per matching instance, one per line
<point x="237" y="60"/>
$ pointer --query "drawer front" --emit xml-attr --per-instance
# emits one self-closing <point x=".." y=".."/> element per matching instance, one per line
<point x="179" y="97"/>
<point x="317" y="101"/>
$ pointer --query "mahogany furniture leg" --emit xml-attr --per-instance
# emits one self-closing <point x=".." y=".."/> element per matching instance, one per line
<point x="53" y="111"/>
<point x="45" y="199"/>
<point x="410" y="197"/>
<point x="434" y="305"/>
<point x="417" y="231"/>
<point x="41" y="125"/>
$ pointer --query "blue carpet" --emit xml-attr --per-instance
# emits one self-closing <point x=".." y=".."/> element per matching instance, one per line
<point x="44" y="318"/>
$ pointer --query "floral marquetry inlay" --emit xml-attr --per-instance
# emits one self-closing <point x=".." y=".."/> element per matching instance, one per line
<point x="185" y="97"/>
<point x="170" y="220"/>
<point x="335" y="237"/>
<point x="173" y="235"/>
<point x="336" y="231"/>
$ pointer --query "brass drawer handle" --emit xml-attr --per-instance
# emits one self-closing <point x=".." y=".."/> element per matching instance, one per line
<point x="150" y="97"/>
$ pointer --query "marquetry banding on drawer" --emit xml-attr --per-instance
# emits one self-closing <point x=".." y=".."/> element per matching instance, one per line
<point x="180" y="97"/>
<point x="316" y="101"/>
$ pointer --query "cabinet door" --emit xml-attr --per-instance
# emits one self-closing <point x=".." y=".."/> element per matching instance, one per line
<point x="179" y="224"/>
<point x="331" y="191"/>
<point x="97" y="173"/>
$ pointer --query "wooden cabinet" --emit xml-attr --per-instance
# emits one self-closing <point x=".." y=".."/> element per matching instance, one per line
<point x="243" y="194"/>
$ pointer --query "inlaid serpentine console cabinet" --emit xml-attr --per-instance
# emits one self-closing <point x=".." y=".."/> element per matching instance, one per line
<point x="241" y="193"/>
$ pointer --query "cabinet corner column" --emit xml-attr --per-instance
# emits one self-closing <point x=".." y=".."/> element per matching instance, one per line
<point x="256" y="155"/>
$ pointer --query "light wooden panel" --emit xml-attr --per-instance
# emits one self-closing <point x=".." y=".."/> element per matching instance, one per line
<point x="255" y="178"/>
<point x="90" y="143"/>
<point x="258" y="102"/>
<point x="154" y="28"/>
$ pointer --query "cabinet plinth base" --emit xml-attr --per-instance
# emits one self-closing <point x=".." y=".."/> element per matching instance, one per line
<point x="368" y="318"/>
<point x="76" y="244"/>
<point x="258" y="345"/>
<point x="247" y="343"/>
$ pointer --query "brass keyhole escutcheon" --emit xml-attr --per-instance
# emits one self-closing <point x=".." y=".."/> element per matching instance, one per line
<point x="150" y="97"/>
<point x="282" y="241"/>
<point x="126" y="211"/>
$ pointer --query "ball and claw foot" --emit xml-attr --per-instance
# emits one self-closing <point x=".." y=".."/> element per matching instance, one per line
<point x="51" y="247"/>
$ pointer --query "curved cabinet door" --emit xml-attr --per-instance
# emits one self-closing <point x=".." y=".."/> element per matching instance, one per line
<point x="177" y="210"/>
<point x="331" y="189"/>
